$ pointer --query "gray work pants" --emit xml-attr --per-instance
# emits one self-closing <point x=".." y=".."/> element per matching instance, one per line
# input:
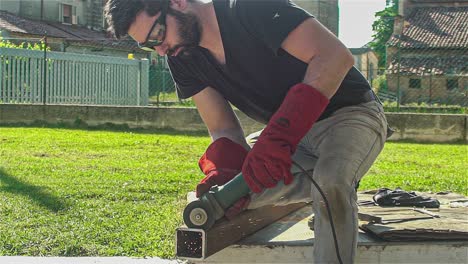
<point x="338" y="151"/>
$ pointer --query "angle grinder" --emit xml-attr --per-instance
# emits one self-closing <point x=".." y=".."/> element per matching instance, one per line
<point x="210" y="207"/>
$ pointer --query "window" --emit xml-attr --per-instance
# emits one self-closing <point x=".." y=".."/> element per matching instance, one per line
<point x="415" y="83"/>
<point x="67" y="13"/>
<point x="452" y="84"/>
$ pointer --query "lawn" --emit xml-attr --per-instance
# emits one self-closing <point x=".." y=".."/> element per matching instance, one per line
<point x="67" y="192"/>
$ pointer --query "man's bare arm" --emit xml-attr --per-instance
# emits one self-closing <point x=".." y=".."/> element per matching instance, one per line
<point x="218" y="116"/>
<point x="328" y="59"/>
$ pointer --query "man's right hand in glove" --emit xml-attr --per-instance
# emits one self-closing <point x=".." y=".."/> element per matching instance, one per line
<point x="221" y="162"/>
<point x="270" y="161"/>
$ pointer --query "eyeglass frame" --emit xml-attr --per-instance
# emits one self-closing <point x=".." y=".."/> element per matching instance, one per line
<point x="149" y="44"/>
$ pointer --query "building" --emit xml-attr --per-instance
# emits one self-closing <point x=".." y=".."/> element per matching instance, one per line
<point x="84" y="13"/>
<point x="326" y="11"/>
<point x="427" y="56"/>
<point x="70" y="26"/>
<point x="366" y="61"/>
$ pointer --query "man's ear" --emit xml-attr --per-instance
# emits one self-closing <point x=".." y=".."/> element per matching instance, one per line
<point x="179" y="5"/>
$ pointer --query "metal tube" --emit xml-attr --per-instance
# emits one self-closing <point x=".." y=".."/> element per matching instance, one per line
<point x="198" y="244"/>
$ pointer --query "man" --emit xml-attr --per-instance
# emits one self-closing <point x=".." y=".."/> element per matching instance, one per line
<point x="280" y="66"/>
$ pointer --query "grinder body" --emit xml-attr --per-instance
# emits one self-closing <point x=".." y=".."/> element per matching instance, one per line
<point x="203" y="212"/>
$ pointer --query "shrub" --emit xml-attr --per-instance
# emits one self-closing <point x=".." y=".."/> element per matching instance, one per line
<point x="23" y="45"/>
<point x="379" y="83"/>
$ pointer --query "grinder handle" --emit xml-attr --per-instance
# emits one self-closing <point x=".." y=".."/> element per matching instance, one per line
<point x="229" y="193"/>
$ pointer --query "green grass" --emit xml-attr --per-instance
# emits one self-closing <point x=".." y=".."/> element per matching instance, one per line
<point x="67" y="192"/>
<point x="420" y="167"/>
<point x="72" y="192"/>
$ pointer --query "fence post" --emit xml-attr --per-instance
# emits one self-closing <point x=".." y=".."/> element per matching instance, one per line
<point x="430" y="86"/>
<point x="143" y="91"/>
<point x="398" y="75"/>
<point x="44" y="69"/>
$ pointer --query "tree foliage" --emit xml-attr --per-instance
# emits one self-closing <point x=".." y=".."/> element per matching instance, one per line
<point x="383" y="29"/>
<point x="24" y="45"/>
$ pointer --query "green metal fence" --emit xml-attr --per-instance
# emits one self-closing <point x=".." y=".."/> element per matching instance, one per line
<point x="162" y="87"/>
<point x="28" y="76"/>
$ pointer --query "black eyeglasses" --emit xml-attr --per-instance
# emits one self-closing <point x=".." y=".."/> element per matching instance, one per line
<point x="157" y="34"/>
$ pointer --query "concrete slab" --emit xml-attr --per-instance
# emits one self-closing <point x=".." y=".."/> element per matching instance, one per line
<point x="85" y="260"/>
<point x="290" y="240"/>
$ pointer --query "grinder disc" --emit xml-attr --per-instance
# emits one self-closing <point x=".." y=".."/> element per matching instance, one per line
<point x="198" y="215"/>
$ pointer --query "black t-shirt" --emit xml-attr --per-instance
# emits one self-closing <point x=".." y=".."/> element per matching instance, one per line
<point x="258" y="72"/>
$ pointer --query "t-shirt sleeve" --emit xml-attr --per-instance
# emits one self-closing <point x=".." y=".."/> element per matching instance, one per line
<point x="187" y="84"/>
<point x="271" y="20"/>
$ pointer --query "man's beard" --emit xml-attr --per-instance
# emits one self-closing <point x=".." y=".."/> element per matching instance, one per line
<point x="189" y="30"/>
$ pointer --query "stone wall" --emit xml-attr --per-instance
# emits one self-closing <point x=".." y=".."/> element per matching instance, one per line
<point x="417" y="127"/>
<point x="326" y="11"/>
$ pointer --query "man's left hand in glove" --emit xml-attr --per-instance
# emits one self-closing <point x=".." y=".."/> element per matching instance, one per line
<point x="221" y="162"/>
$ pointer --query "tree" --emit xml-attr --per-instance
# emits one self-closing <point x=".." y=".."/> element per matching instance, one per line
<point x="383" y="29"/>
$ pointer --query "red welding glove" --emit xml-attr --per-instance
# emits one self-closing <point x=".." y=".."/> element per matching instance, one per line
<point x="221" y="162"/>
<point x="269" y="161"/>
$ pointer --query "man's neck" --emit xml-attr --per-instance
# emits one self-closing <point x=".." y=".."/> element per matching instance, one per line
<point x="211" y="35"/>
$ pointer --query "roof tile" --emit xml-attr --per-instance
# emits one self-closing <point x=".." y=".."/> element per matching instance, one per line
<point x="434" y="27"/>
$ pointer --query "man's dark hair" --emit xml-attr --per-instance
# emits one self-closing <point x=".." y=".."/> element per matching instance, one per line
<point x="120" y="14"/>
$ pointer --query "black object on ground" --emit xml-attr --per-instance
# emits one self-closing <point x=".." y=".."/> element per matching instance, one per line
<point x="399" y="197"/>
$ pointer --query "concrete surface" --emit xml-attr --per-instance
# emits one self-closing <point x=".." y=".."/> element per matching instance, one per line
<point x="290" y="240"/>
<point x="85" y="260"/>
<point x="418" y="127"/>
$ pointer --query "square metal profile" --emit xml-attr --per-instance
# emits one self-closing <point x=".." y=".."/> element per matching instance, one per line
<point x="191" y="243"/>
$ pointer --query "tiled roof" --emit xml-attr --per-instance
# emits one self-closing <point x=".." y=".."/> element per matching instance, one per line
<point x="13" y="23"/>
<point x="434" y="27"/>
<point x="430" y="65"/>
<point x="73" y="33"/>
